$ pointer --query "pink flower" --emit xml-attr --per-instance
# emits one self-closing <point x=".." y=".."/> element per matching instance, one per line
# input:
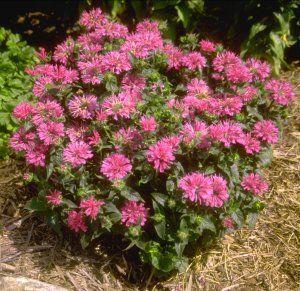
<point x="63" y="51"/>
<point x="193" y="61"/>
<point x="47" y="111"/>
<point x="207" y="46"/>
<point x="226" y="132"/>
<point x="77" y="153"/>
<point x="76" y="222"/>
<point x="266" y="130"/>
<point x="174" y="56"/>
<point x="83" y="106"/>
<point x="37" y="155"/>
<point x="116" y="62"/>
<point x="198" y="87"/>
<point x="50" y="132"/>
<point x="41" y="54"/>
<point x="259" y="69"/>
<point x="172" y="141"/>
<point x="238" y="73"/>
<point x="91" y="70"/>
<point x="196" y="187"/>
<point x="161" y="156"/>
<point x="224" y="59"/>
<point x="92" y="19"/>
<point x="254" y="183"/>
<point x="148" y="123"/>
<point x="219" y="195"/>
<point x="228" y="222"/>
<point x="134" y="213"/>
<point x="251" y="144"/>
<point x="77" y="132"/>
<point x="91" y="207"/>
<point x="247" y="93"/>
<point x="134" y="83"/>
<point x="116" y="166"/>
<point x="129" y="137"/>
<point x="280" y="91"/>
<point x="196" y="133"/>
<point x="22" y="140"/>
<point x="94" y="138"/>
<point x="23" y="110"/>
<point x="122" y="105"/>
<point x="54" y="197"/>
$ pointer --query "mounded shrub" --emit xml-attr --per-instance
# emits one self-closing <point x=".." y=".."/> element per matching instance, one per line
<point x="158" y="143"/>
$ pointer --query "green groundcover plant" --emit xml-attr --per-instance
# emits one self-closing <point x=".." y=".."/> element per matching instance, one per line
<point x="134" y="136"/>
<point x="15" y="84"/>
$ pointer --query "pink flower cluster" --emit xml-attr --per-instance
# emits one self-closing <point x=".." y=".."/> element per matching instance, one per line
<point x="114" y="108"/>
<point x="210" y="191"/>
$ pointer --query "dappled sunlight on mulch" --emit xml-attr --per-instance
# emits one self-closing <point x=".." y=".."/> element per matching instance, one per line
<point x="265" y="258"/>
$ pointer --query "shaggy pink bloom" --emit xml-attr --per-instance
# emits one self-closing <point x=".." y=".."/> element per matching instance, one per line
<point x="196" y="187"/>
<point x="161" y="156"/>
<point x="41" y="54"/>
<point x="173" y="141"/>
<point x="196" y="132"/>
<point x="134" y="213"/>
<point x="220" y="193"/>
<point x="41" y="85"/>
<point x="94" y="138"/>
<point x="254" y="183"/>
<point x="174" y="56"/>
<point x="224" y="59"/>
<point x="238" y="73"/>
<point x="251" y="144"/>
<point x="226" y="132"/>
<point x="76" y="222"/>
<point x="266" y="130"/>
<point x="22" y="140"/>
<point x="259" y="69"/>
<point x="133" y="83"/>
<point x="121" y="105"/>
<point x="92" y="19"/>
<point x="63" y="51"/>
<point x="207" y="46"/>
<point x="116" y="62"/>
<point x="91" y="207"/>
<point x="115" y="30"/>
<point x="91" y="70"/>
<point x="280" y="91"/>
<point x="50" y="132"/>
<point x="101" y="115"/>
<point x="148" y="26"/>
<point x="23" y="110"/>
<point x="198" y="87"/>
<point x="37" y="155"/>
<point x="247" y="93"/>
<point x="141" y="44"/>
<point x="83" y="106"/>
<point x="226" y="106"/>
<point x="148" y="123"/>
<point x="54" y="197"/>
<point x="77" y="132"/>
<point x="129" y="137"/>
<point x="116" y="166"/>
<point x="193" y="61"/>
<point x="77" y="153"/>
<point x="47" y="111"/>
<point x="228" y="222"/>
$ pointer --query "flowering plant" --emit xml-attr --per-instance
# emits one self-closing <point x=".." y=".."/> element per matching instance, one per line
<point x="161" y="144"/>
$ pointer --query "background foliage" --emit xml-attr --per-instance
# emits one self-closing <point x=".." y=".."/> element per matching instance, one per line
<point x="264" y="29"/>
<point x="15" y="84"/>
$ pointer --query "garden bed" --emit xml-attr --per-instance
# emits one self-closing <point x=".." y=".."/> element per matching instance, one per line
<point x="265" y="258"/>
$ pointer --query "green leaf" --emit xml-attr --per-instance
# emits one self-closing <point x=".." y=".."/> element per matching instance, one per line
<point x="37" y="204"/>
<point x="160" y="228"/>
<point x="265" y="157"/>
<point x="183" y="14"/>
<point x="207" y="223"/>
<point x="238" y="217"/>
<point x="85" y="240"/>
<point x="159" y="198"/>
<point x="252" y="219"/>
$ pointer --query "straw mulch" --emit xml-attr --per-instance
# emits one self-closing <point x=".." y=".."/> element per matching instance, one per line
<point x="266" y="258"/>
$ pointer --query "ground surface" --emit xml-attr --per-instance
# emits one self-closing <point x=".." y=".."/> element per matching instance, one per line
<point x="266" y="258"/>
